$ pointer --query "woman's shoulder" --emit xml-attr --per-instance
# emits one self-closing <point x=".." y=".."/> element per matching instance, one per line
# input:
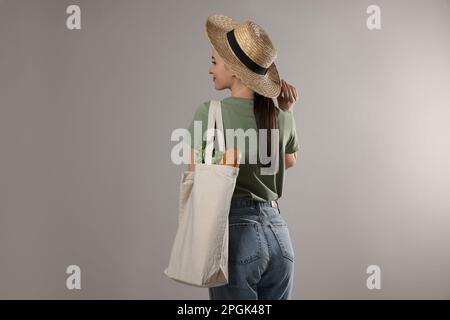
<point x="284" y="114"/>
<point x="202" y="108"/>
<point x="285" y="119"/>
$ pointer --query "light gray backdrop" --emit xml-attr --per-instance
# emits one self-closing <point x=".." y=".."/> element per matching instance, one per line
<point x="85" y="123"/>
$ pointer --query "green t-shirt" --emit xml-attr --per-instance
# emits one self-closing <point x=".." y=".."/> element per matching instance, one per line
<point x="238" y="113"/>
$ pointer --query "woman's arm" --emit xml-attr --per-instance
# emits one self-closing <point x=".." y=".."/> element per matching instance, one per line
<point x="290" y="159"/>
<point x="286" y="99"/>
<point x="191" y="165"/>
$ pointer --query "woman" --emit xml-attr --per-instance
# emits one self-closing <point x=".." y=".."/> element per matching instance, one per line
<point x="261" y="257"/>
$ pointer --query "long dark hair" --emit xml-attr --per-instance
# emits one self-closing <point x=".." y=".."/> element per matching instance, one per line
<point x="266" y="118"/>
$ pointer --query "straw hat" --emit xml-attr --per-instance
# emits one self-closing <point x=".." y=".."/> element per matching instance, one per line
<point x="248" y="51"/>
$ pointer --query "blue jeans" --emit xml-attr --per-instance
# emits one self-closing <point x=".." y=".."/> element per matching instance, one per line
<point x="260" y="254"/>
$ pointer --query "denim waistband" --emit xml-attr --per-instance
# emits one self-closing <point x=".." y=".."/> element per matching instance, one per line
<point x="245" y="202"/>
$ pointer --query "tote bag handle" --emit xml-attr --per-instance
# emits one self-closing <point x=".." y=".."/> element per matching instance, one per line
<point x="214" y="116"/>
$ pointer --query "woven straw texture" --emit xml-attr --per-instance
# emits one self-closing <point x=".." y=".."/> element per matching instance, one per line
<point x="255" y="42"/>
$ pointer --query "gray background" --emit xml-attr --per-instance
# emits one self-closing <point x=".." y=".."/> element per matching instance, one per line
<point x="86" y="118"/>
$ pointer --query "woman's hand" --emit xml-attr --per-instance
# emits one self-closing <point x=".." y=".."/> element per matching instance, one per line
<point x="287" y="97"/>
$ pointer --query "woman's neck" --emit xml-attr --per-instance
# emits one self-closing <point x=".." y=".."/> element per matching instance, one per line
<point x="241" y="91"/>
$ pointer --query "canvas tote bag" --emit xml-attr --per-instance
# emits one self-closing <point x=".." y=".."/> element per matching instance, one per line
<point x="199" y="255"/>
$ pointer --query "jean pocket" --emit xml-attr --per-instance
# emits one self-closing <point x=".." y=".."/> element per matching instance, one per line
<point x="281" y="233"/>
<point x="244" y="242"/>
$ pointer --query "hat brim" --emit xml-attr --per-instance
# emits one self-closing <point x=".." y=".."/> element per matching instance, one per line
<point x="268" y="85"/>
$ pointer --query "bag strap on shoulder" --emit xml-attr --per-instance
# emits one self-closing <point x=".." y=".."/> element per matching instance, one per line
<point x="214" y="117"/>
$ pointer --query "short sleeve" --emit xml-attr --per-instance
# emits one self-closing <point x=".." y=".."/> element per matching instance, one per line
<point x="292" y="144"/>
<point x="201" y="117"/>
